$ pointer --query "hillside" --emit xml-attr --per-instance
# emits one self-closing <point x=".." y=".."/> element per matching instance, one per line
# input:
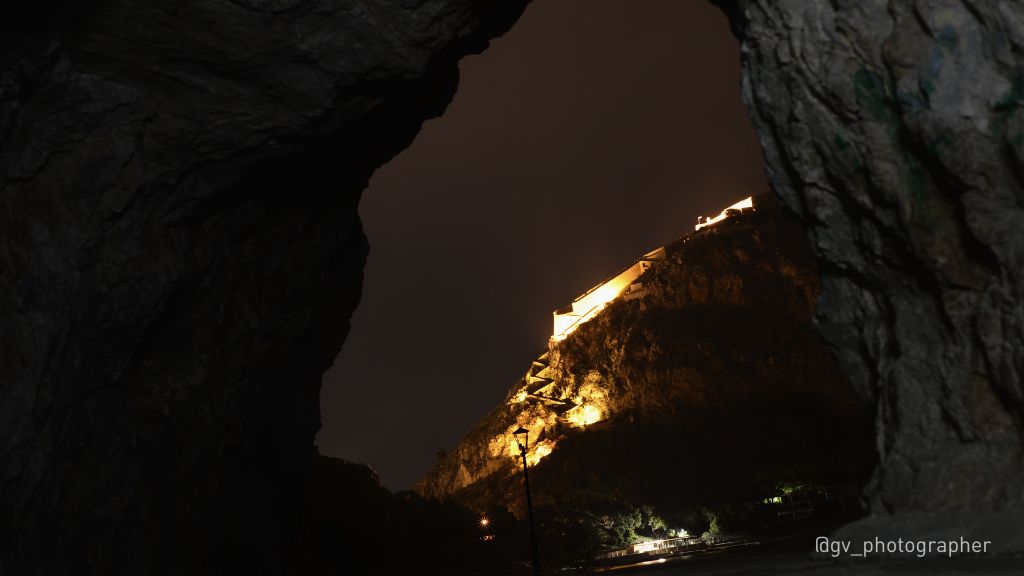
<point x="702" y="384"/>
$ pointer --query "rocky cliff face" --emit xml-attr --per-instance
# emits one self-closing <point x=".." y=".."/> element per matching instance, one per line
<point x="179" y="256"/>
<point x="708" y="384"/>
<point x="895" y="130"/>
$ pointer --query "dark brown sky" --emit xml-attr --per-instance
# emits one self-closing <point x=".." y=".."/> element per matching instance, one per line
<point x="593" y="132"/>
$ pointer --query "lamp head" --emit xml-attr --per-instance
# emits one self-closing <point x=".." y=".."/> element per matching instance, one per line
<point x="522" y="436"/>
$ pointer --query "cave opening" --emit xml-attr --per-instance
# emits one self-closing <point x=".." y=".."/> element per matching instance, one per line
<point x="561" y="159"/>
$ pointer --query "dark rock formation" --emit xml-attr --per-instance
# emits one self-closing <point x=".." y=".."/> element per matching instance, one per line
<point x="356" y="527"/>
<point x="179" y="248"/>
<point x="895" y="131"/>
<point x="707" y="385"/>
<point x="179" y="256"/>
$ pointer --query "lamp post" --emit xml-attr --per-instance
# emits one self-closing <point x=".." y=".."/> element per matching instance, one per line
<point x="524" y="443"/>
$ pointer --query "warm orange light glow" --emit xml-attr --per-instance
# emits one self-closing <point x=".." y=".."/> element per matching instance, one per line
<point x="535" y="418"/>
<point x="647" y="546"/>
<point x="519" y="397"/>
<point x="508" y="446"/>
<point x="536" y="453"/>
<point x="707" y="221"/>
<point x="594" y="300"/>
<point x="591" y="402"/>
<point x="584" y="415"/>
<point x="485" y="521"/>
<point x="513" y="447"/>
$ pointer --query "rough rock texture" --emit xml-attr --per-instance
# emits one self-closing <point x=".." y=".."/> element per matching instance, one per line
<point x="895" y="130"/>
<point x="709" y="385"/>
<point x="356" y="527"/>
<point x="179" y="249"/>
<point x="179" y="256"/>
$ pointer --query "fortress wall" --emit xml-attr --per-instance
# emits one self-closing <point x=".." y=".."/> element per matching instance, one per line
<point x="590" y="303"/>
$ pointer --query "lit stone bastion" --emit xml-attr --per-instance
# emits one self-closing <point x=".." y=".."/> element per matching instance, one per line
<point x="625" y="283"/>
<point x="593" y="301"/>
<point x="737" y="208"/>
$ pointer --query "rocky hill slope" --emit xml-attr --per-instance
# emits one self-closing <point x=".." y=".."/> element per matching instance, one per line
<point x="707" y="385"/>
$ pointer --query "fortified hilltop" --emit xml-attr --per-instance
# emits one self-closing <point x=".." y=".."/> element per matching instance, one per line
<point x="704" y="343"/>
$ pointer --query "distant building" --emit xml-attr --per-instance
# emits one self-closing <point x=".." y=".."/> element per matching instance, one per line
<point x="593" y="301"/>
<point x="590" y="303"/>
<point x="745" y="204"/>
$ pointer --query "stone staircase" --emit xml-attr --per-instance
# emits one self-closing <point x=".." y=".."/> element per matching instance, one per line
<point x="540" y="384"/>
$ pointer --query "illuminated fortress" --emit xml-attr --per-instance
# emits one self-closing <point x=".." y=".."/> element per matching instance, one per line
<point x="594" y="300"/>
<point x="625" y="283"/>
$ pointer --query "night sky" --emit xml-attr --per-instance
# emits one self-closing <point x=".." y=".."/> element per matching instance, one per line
<point x="593" y="132"/>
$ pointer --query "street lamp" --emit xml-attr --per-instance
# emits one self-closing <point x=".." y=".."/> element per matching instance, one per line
<point x="524" y="443"/>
